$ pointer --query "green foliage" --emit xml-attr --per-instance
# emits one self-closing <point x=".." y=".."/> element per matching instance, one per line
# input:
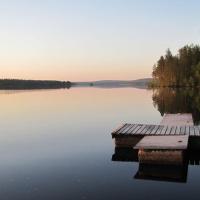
<point x="181" y="70"/>
<point x="32" y="84"/>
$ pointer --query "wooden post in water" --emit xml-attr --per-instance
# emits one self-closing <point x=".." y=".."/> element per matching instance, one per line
<point x="165" y="150"/>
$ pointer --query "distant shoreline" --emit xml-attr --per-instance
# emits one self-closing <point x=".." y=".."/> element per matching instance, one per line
<point x="139" y="83"/>
<point x="20" y="84"/>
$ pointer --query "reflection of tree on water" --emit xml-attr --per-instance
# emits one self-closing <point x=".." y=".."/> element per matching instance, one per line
<point x="169" y="100"/>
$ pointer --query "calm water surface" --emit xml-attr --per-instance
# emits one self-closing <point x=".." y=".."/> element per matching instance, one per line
<point x="56" y="144"/>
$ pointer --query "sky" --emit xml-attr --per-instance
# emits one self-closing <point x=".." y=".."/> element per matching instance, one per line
<point x="85" y="40"/>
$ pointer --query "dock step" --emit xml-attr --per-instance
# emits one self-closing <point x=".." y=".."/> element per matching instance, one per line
<point x="163" y="142"/>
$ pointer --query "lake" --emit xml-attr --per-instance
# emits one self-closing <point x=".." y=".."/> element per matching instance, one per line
<point x="56" y="144"/>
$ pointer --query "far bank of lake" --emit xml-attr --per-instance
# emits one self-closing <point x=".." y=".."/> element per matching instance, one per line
<point x="17" y="84"/>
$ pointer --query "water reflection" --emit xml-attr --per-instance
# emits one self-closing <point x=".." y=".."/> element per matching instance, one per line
<point x="170" y="173"/>
<point x="170" y="100"/>
<point x="56" y="144"/>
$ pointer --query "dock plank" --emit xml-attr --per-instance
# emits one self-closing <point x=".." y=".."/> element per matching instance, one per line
<point x="118" y="129"/>
<point x="179" y="142"/>
<point x="177" y="119"/>
<point x="150" y="129"/>
<point x="192" y="133"/>
<point x="173" y="130"/>
<point x="183" y="130"/>
<point x="128" y="128"/>
<point x="164" y="130"/>
<point x="140" y="129"/>
<point x="153" y="132"/>
<point x="121" y="129"/>
<point x="196" y="130"/>
<point x="145" y="129"/>
<point x="137" y="129"/>
<point x="125" y="128"/>
<point x="168" y="130"/>
<point x="187" y="130"/>
<point x="159" y="129"/>
<point x="132" y="129"/>
<point x="177" y="130"/>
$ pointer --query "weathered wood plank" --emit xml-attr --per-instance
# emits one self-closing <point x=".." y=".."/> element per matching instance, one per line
<point x="187" y="130"/>
<point x="192" y="131"/>
<point x="163" y="142"/>
<point x="137" y="129"/>
<point x="164" y="130"/>
<point x="173" y="130"/>
<point x="132" y="129"/>
<point x="125" y="128"/>
<point x="117" y="129"/>
<point x="182" y="130"/>
<point x="153" y="132"/>
<point x="129" y="127"/>
<point x="196" y="130"/>
<point x="140" y="129"/>
<point x="177" y="130"/>
<point x="159" y="130"/>
<point x="177" y="119"/>
<point x="168" y="130"/>
<point x="199" y="129"/>
<point x="145" y="129"/>
<point x="121" y="129"/>
<point x="150" y="130"/>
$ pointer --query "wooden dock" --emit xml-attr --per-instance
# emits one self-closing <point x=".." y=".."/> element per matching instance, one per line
<point x="128" y="135"/>
<point x="163" y="151"/>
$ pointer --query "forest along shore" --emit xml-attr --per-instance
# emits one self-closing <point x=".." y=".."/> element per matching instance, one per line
<point x="17" y="84"/>
<point x="181" y="70"/>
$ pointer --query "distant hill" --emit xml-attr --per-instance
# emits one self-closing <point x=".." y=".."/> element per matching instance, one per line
<point x="139" y="83"/>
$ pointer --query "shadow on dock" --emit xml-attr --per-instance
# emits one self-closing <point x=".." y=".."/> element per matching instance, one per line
<point x="169" y="173"/>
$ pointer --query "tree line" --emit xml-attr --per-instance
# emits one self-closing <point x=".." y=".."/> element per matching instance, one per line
<point x="15" y="84"/>
<point x="181" y="70"/>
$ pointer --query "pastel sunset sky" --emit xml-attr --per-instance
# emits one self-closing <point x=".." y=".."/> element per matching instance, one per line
<point x="80" y="40"/>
